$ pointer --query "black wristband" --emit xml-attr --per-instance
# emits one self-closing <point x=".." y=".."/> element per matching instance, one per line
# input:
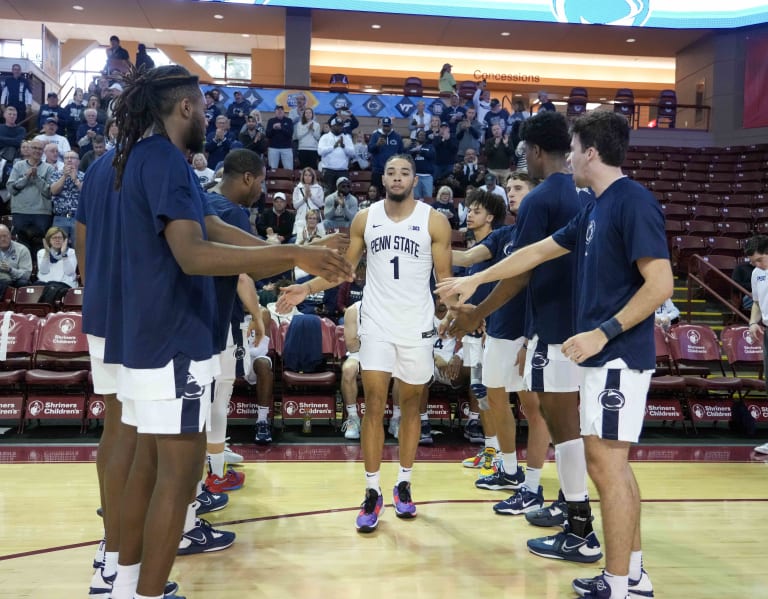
<point x="611" y="328"/>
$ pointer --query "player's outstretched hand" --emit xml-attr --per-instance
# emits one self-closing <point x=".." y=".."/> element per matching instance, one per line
<point x="326" y="263"/>
<point x="335" y="241"/>
<point x="290" y="297"/>
<point x="456" y="290"/>
<point x="463" y="320"/>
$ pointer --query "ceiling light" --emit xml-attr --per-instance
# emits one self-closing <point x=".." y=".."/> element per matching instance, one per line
<point x="159" y="30"/>
<point x="505" y="34"/>
<point x="219" y="17"/>
<point x="631" y="40"/>
<point x="603" y="99"/>
<point x="78" y="7"/>
<point x="518" y="95"/>
<point x="245" y="34"/>
<point x="375" y="26"/>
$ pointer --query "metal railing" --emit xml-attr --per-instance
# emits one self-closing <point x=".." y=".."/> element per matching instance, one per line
<point x="699" y="270"/>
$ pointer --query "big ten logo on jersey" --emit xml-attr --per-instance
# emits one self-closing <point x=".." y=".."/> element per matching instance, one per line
<point x="438" y="409"/>
<point x="387" y="409"/>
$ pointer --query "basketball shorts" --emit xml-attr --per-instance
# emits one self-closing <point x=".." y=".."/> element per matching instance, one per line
<point x="413" y="365"/>
<point x="548" y="370"/>
<point x="613" y="401"/>
<point x="499" y="368"/>
<point x="473" y="350"/>
<point x="171" y="400"/>
<point x="104" y="375"/>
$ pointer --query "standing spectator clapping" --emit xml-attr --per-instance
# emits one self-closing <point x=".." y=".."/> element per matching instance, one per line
<point x="307" y="195"/>
<point x="280" y="136"/>
<point x="307" y="134"/>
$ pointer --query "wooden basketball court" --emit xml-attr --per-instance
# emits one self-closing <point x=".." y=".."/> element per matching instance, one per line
<point x="704" y="520"/>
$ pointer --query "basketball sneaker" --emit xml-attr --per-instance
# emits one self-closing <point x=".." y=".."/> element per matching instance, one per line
<point x="351" y="428"/>
<point x="521" y="502"/>
<point x="567" y="546"/>
<point x="501" y="480"/>
<point x="231" y="481"/>
<point x="555" y="514"/>
<point x="394" y="427"/>
<point x="230" y="456"/>
<point x="370" y="510"/>
<point x="207" y="502"/>
<point x="101" y="586"/>
<point x="490" y="463"/>
<point x="473" y="431"/>
<point x="203" y="538"/>
<point x="98" y="559"/>
<point x="762" y="449"/>
<point x="426" y="433"/>
<point x="404" y="506"/>
<point x="641" y="587"/>
<point x="263" y="432"/>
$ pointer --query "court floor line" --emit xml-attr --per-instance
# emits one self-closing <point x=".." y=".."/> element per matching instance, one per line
<point x="354" y="508"/>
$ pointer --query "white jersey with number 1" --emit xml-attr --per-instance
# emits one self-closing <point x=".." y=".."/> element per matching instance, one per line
<point x="397" y="305"/>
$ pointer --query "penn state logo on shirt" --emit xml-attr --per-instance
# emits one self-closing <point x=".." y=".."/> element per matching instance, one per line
<point x="612" y="399"/>
<point x="633" y="13"/>
<point x="539" y="360"/>
<point x="193" y="389"/>
<point x="508" y="248"/>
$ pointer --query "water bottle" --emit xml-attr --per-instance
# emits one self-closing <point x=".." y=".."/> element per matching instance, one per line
<point x="306" y="426"/>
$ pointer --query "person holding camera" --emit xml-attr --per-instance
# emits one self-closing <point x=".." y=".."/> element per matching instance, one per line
<point x="469" y="132"/>
<point x="349" y="121"/>
<point x="336" y="149"/>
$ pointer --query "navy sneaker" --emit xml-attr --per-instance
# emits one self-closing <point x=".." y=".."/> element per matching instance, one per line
<point x="555" y="514"/>
<point x="98" y="559"/>
<point x="263" y="432"/>
<point x="403" y="502"/>
<point x="473" y="431"/>
<point x="567" y="546"/>
<point x="501" y="481"/>
<point x="426" y="433"/>
<point x="641" y="587"/>
<point x="521" y="502"/>
<point x="203" y="538"/>
<point x="370" y="510"/>
<point x="210" y="502"/>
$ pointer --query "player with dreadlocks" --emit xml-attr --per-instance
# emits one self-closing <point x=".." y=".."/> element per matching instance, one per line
<point x="151" y="311"/>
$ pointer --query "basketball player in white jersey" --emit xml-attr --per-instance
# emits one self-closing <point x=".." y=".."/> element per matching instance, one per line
<point x="403" y="239"/>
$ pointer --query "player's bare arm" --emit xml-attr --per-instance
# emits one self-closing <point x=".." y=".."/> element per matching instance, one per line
<point x="656" y="288"/>
<point x="470" y="257"/>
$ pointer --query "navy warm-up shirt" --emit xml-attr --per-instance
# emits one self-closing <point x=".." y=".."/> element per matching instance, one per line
<point x="508" y="322"/>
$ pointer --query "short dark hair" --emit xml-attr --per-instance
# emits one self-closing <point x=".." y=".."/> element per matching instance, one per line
<point x="114" y="38"/>
<point x="548" y="130"/>
<point x="99" y="139"/>
<point x="756" y="245"/>
<point x="240" y="161"/>
<point x="407" y="157"/>
<point x="492" y="202"/>
<point x="607" y="132"/>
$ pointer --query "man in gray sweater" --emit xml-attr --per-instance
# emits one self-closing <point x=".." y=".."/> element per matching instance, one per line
<point x="30" y="187"/>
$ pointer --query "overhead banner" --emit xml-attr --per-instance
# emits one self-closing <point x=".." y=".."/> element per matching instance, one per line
<point x="756" y="84"/>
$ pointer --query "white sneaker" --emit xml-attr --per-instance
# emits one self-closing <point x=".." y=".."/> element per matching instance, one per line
<point x="351" y="428"/>
<point x="230" y="457"/>
<point x="394" y="427"/>
<point x="762" y="449"/>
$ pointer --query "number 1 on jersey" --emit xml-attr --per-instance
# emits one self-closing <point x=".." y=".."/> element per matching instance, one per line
<point x="396" y="262"/>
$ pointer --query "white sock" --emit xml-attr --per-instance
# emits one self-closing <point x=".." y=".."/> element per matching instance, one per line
<point x="110" y="563"/>
<point x="137" y="596"/>
<point x="263" y="413"/>
<point x="636" y="565"/>
<point x="493" y="442"/>
<point x="373" y="481"/>
<point x="474" y="415"/>
<point x="532" y="478"/>
<point x="125" y="582"/>
<point x="404" y="475"/>
<point x="190" y="518"/>
<point x="216" y="464"/>
<point x="510" y="462"/>
<point x="395" y="411"/>
<point x="619" y="585"/>
<point x="424" y="416"/>
<point x="572" y="469"/>
<point x="352" y="411"/>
